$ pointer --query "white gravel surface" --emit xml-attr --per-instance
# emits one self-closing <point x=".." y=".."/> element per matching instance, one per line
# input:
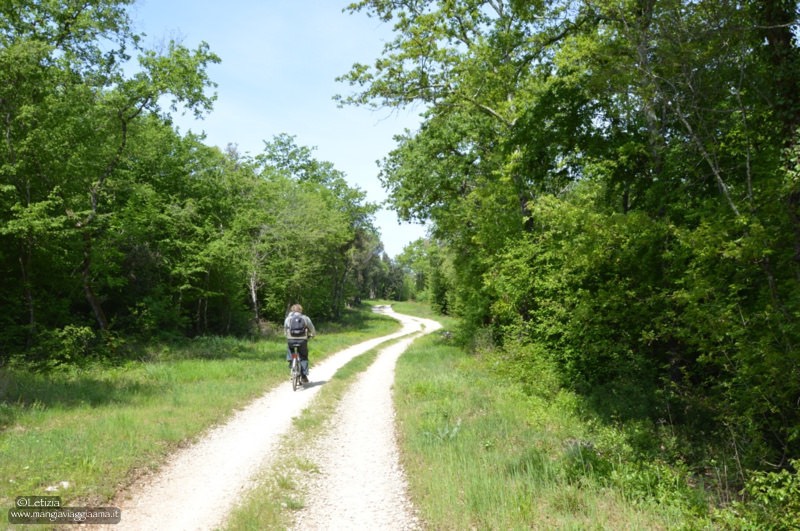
<point x="360" y="486"/>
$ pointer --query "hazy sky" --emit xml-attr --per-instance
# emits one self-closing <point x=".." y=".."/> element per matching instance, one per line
<point x="280" y="59"/>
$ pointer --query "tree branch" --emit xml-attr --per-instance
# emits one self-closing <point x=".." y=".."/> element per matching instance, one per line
<point x="707" y="157"/>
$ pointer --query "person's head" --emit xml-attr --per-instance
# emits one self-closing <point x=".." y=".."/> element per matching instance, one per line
<point x="296" y="308"/>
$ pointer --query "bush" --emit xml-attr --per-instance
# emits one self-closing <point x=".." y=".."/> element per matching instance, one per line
<point x="70" y="344"/>
<point x="773" y="502"/>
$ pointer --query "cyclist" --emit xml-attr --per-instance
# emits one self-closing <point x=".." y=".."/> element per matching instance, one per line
<point x="299" y="329"/>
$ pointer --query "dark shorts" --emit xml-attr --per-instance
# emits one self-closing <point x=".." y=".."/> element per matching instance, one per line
<point x="302" y="347"/>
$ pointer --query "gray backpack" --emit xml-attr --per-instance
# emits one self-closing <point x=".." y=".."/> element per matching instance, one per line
<point x="297" y="326"/>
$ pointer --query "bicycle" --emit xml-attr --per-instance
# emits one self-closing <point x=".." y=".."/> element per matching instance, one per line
<point x="295" y="373"/>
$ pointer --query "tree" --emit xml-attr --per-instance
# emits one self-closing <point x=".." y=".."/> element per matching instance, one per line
<point x="336" y="242"/>
<point x="68" y="112"/>
<point x="608" y="182"/>
<point x="413" y="261"/>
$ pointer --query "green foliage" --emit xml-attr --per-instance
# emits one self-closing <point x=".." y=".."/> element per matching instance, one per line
<point x="776" y="495"/>
<point x="70" y="344"/>
<point x="604" y="295"/>
<point x="773" y="502"/>
<point x="114" y="223"/>
<point x="322" y="230"/>
<point x="521" y="460"/>
<point x="608" y="193"/>
<point x="574" y="286"/>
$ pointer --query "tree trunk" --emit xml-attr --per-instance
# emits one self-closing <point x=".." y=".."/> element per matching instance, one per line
<point x="794" y="215"/>
<point x="253" y="285"/>
<point x="777" y="19"/>
<point x="24" y="264"/>
<point x="86" y="279"/>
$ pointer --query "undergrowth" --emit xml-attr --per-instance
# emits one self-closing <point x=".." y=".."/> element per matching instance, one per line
<point x="485" y="448"/>
<point x="481" y="452"/>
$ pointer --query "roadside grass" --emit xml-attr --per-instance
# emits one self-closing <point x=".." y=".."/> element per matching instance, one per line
<point x="480" y="453"/>
<point x="417" y="309"/>
<point x="278" y="493"/>
<point x="82" y="433"/>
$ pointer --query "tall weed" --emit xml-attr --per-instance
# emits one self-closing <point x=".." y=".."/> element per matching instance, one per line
<point x="483" y="452"/>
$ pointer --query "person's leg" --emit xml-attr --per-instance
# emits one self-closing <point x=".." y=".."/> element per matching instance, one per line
<point x="303" y="351"/>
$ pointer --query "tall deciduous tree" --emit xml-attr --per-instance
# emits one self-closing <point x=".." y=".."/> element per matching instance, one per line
<point x="113" y="222"/>
<point x="333" y="243"/>
<point x="610" y="183"/>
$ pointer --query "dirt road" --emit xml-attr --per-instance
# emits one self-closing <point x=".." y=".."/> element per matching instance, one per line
<point x="361" y="483"/>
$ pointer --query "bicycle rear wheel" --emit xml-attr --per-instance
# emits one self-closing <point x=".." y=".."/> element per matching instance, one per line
<point x="295" y="374"/>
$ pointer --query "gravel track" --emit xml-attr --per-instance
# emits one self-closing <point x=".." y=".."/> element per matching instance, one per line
<point x="361" y="484"/>
<point x="200" y="484"/>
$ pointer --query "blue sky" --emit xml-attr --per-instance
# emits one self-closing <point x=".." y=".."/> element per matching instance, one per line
<point x="280" y="59"/>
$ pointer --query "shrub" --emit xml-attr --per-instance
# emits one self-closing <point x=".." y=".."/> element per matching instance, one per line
<point x="773" y="501"/>
<point x="70" y="344"/>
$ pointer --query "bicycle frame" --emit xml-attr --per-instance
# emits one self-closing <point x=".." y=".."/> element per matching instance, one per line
<point x="295" y="372"/>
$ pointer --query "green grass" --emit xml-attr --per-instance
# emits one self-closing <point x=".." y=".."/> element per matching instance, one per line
<point x="97" y="428"/>
<point x="481" y="454"/>
<point x="418" y="309"/>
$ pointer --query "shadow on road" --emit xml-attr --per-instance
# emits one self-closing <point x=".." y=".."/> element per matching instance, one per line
<point x="311" y="384"/>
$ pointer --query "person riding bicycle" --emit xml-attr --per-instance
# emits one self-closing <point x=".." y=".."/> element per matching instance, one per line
<point x="299" y="329"/>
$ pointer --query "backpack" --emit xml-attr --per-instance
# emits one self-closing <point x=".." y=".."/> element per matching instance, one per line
<point x="297" y="326"/>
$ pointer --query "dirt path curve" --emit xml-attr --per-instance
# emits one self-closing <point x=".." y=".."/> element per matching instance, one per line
<point x="199" y="485"/>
